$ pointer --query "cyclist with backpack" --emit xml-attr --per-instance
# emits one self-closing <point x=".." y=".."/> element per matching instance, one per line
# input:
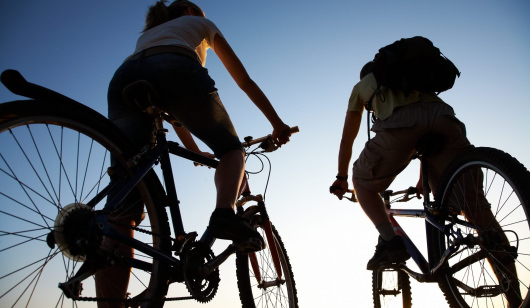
<point x="403" y="115"/>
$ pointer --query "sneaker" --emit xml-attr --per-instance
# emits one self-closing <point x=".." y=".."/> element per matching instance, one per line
<point x="225" y="224"/>
<point x="387" y="253"/>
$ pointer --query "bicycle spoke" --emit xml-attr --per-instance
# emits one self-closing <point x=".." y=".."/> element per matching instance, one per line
<point x="486" y="187"/>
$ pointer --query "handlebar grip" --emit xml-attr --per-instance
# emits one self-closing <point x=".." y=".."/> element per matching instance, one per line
<point x="250" y="141"/>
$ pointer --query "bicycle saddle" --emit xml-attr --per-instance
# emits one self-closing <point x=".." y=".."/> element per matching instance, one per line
<point x="143" y="94"/>
<point x="140" y="93"/>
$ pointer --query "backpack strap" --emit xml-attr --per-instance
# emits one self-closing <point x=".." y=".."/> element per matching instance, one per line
<point x="369" y="109"/>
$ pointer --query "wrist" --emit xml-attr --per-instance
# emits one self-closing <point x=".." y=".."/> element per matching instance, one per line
<point x="342" y="178"/>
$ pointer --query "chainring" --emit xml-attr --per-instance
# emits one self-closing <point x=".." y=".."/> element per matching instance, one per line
<point x="202" y="288"/>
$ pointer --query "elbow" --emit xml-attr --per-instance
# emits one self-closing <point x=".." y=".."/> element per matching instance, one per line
<point x="245" y="84"/>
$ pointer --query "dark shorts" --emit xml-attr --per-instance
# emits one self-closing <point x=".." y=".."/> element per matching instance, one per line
<point x="395" y="141"/>
<point x="187" y="93"/>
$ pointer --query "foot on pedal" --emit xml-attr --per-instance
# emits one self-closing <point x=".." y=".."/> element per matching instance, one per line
<point x="388" y="254"/>
<point x="250" y="245"/>
<point x="225" y="224"/>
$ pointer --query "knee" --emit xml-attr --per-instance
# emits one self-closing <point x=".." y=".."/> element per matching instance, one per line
<point x="361" y="187"/>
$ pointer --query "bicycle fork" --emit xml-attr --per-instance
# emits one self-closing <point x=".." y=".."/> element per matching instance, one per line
<point x="257" y="215"/>
<point x="265" y="223"/>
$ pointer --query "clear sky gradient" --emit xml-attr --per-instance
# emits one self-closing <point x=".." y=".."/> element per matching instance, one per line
<point x="306" y="56"/>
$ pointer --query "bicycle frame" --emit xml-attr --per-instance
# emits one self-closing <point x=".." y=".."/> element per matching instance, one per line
<point x="430" y="266"/>
<point x="160" y="152"/>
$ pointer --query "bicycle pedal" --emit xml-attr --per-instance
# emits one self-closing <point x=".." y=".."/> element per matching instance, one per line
<point x="390" y="266"/>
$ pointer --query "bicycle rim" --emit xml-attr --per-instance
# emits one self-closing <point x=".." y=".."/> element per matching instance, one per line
<point x="391" y="288"/>
<point x="258" y="281"/>
<point x="55" y="156"/>
<point x="480" y="272"/>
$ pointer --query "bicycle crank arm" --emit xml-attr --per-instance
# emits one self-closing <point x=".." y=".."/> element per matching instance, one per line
<point x="73" y="287"/>
<point x="209" y="267"/>
<point x="418" y="276"/>
<point x="447" y="253"/>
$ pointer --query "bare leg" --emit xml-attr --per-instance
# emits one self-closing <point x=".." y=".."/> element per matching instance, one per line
<point x="373" y="206"/>
<point x="478" y="211"/>
<point x="112" y="282"/>
<point x="501" y="262"/>
<point x="228" y="177"/>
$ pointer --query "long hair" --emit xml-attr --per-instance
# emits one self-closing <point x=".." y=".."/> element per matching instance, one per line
<point x="159" y="12"/>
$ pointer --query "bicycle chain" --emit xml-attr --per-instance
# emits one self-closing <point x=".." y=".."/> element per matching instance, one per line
<point x="201" y="295"/>
<point x="202" y="288"/>
<point x="100" y="299"/>
<point x="144" y="231"/>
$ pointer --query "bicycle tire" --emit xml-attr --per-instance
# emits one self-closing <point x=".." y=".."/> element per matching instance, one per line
<point x="391" y="288"/>
<point x="54" y="154"/>
<point x="470" y="277"/>
<point x="268" y="291"/>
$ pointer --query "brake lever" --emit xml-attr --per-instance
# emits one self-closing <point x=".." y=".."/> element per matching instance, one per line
<point x="352" y="198"/>
<point x="268" y="145"/>
<point x="410" y="191"/>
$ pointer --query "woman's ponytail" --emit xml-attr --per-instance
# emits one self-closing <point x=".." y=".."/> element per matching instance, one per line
<point x="159" y="12"/>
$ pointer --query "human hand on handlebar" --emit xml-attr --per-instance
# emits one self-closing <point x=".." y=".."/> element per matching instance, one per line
<point x="207" y="154"/>
<point x="280" y="134"/>
<point x="339" y="188"/>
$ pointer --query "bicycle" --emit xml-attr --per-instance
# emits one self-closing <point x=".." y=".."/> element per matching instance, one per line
<point x="476" y="256"/>
<point x="59" y="203"/>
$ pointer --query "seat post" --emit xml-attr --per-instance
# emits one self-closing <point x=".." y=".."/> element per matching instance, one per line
<point x="156" y="114"/>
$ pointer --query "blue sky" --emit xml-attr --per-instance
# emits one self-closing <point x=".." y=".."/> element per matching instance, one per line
<point x="306" y="56"/>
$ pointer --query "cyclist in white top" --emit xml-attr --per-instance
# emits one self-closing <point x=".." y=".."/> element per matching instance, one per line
<point x="170" y="54"/>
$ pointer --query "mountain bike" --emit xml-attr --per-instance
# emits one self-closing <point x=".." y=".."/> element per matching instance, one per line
<point x="477" y="233"/>
<point x="74" y="192"/>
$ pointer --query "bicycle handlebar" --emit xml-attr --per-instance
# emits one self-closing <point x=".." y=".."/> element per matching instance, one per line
<point x="266" y="141"/>
<point x="201" y="160"/>
<point x="387" y="194"/>
<point x="405" y="192"/>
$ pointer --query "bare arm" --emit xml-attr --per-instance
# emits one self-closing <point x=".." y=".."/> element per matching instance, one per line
<point x="188" y="141"/>
<point x="238" y="72"/>
<point x="352" y="122"/>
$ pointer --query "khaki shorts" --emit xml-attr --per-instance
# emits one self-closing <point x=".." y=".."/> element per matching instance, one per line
<point x="394" y="144"/>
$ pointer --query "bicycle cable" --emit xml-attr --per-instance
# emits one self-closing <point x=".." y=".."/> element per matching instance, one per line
<point x="254" y="152"/>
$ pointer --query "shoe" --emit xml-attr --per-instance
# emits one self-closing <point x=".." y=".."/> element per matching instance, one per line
<point x="387" y="253"/>
<point x="225" y="224"/>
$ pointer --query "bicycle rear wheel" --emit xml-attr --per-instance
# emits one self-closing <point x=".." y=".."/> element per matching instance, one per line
<point x="260" y="283"/>
<point x="391" y="288"/>
<point x="53" y="161"/>
<point x="486" y="194"/>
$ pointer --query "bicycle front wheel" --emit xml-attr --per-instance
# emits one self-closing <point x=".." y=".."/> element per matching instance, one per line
<point x="485" y="197"/>
<point x="391" y="288"/>
<point x="265" y="278"/>
<point x="53" y="160"/>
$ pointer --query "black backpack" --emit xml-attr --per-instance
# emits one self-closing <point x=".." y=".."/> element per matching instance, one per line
<point x="414" y="64"/>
